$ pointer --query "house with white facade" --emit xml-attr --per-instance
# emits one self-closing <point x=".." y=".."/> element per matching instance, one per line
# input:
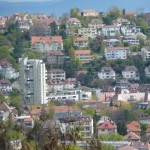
<point x="5" y="86"/>
<point x="106" y="73"/>
<point x="24" y="25"/>
<point x="73" y="22"/>
<point x="46" y="43"/>
<point x="147" y="71"/>
<point x="130" y="29"/>
<point x="88" y="13"/>
<point x="3" y="20"/>
<point x="132" y="40"/>
<point x="107" y="127"/>
<point x="78" y="119"/>
<point x="113" y="53"/>
<point x="7" y="70"/>
<point x="56" y="74"/>
<point x="76" y="95"/>
<point x="95" y="23"/>
<point x="25" y="121"/>
<point x="145" y="53"/>
<point x="111" y="42"/>
<point x="120" y="21"/>
<point x="130" y="72"/>
<point x="81" y="42"/>
<point x="60" y="85"/>
<point x="88" y="32"/>
<point x="109" y="31"/>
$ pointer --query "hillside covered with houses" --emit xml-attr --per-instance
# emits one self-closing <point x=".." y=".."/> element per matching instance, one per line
<point x="80" y="81"/>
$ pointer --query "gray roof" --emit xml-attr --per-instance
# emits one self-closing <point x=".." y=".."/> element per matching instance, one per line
<point x="96" y="21"/>
<point x="147" y="48"/>
<point x="130" y="68"/>
<point x="106" y="69"/>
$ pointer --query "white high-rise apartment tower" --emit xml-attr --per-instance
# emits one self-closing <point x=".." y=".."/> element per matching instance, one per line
<point x="32" y="81"/>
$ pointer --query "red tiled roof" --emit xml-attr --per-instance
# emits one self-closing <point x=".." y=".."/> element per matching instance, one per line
<point x="107" y="125"/>
<point x="28" y="119"/>
<point x="46" y="39"/>
<point x="37" y="111"/>
<point x="5" y="63"/>
<point x="79" y="39"/>
<point x="134" y="126"/>
<point x="82" y="52"/>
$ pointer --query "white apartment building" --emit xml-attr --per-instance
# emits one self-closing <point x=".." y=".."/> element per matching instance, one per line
<point x="46" y="43"/>
<point x="109" y="31"/>
<point x="32" y="81"/>
<point x="88" y="32"/>
<point x="113" y="53"/>
<point x="75" y="95"/>
<point x="130" y="72"/>
<point x="145" y="53"/>
<point x="57" y="74"/>
<point x="147" y="71"/>
<point x="107" y="73"/>
<point x="60" y="85"/>
<point x="132" y="40"/>
<point x="130" y="29"/>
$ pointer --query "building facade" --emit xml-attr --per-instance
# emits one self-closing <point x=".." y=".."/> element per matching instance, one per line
<point x="113" y="53"/>
<point x="106" y="73"/>
<point x="84" y="56"/>
<point x="145" y="53"/>
<point x="46" y="43"/>
<point x="130" y="72"/>
<point x="32" y="78"/>
<point x="57" y="74"/>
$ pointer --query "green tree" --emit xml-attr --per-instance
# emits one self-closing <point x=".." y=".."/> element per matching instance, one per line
<point x="143" y="129"/>
<point x="114" y="12"/>
<point x="3" y="99"/>
<point x="74" y="12"/>
<point x="89" y="111"/>
<point x="107" y="20"/>
<point x="94" y="45"/>
<point x="107" y="147"/>
<point x="121" y="128"/>
<point x="68" y="44"/>
<point x="72" y="147"/>
<point x="62" y="32"/>
<point x="111" y="137"/>
<point x="15" y="135"/>
<point x="54" y="29"/>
